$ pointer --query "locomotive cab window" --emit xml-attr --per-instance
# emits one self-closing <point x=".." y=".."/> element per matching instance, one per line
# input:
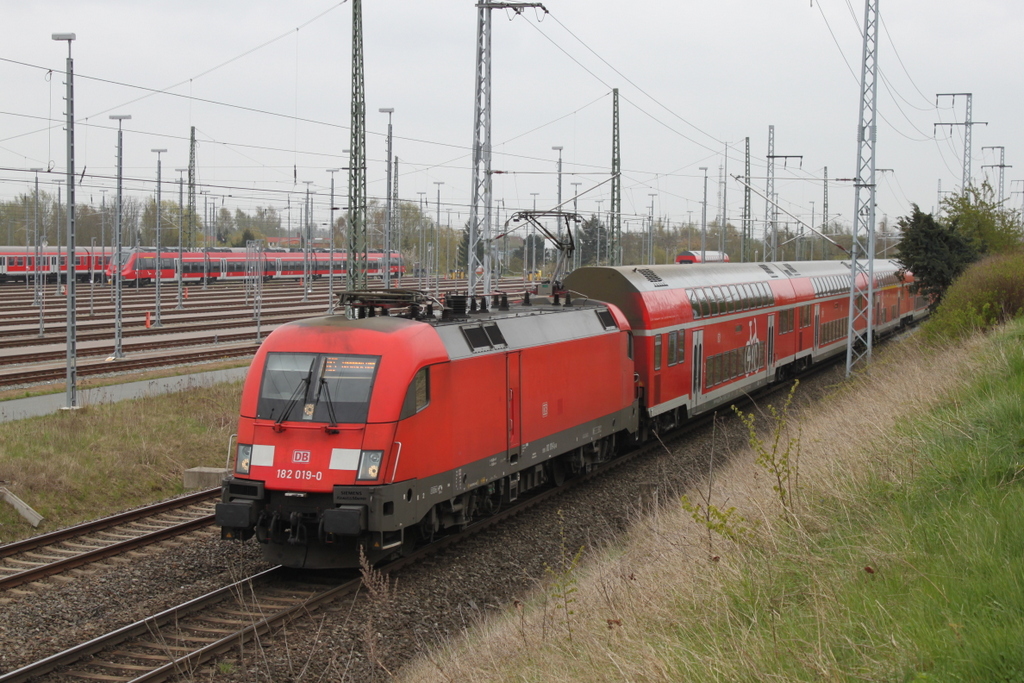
<point x="418" y="395"/>
<point x="311" y="387"/>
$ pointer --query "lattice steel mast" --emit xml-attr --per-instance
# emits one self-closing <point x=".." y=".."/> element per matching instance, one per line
<point x="480" y="202"/>
<point x="748" y="219"/>
<point x="968" y="125"/>
<point x="615" y="248"/>
<point x="860" y="328"/>
<point x="355" y="273"/>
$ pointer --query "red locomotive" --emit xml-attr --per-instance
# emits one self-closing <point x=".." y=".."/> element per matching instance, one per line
<point x="228" y="264"/>
<point x="376" y="433"/>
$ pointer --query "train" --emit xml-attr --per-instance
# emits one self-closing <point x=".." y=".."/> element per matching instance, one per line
<point x="709" y="257"/>
<point x="21" y="264"/>
<point x="234" y="265"/>
<point x="366" y="435"/>
<point x="139" y="266"/>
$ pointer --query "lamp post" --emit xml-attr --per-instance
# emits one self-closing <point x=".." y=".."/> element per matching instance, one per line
<point x="39" y="291"/>
<point x="704" y="217"/>
<point x="306" y="267"/>
<point x="181" y="214"/>
<point x="577" y="253"/>
<point x="330" y="264"/>
<point x="159" y="263"/>
<point x="650" y="231"/>
<point x="92" y="277"/>
<point x="386" y="261"/>
<point x="422" y="243"/>
<point x="72" y="370"/>
<point x="116" y="260"/>
<point x="437" y="224"/>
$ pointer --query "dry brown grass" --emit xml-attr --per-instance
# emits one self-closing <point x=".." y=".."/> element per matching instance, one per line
<point x="643" y="608"/>
<point x="79" y="465"/>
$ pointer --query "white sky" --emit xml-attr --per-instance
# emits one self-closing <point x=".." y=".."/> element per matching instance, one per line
<point x="717" y="72"/>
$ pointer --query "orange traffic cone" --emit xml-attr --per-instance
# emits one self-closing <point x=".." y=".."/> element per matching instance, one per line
<point x="147" y="320"/>
<point x="186" y="292"/>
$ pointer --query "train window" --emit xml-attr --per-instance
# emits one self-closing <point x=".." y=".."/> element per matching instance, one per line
<point x="673" y="338"/>
<point x="694" y="304"/>
<point x="702" y="301"/>
<point x="719" y="299"/>
<point x="805" y="316"/>
<point x="657" y="352"/>
<point x="735" y="304"/>
<point x="786" y="320"/>
<point x="769" y="295"/>
<point x="418" y="395"/>
<point x="331" y="388"/>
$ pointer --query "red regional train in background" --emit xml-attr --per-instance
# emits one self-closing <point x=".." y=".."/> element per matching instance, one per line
<point x="19" y="263"/>
<point x="139" y="266"/>
<point x="230" y="265"/>
<point x="709" y="257"/>
<point x="373" y="434"/>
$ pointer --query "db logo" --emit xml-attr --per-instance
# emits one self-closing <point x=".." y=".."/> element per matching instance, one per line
<point x="300" y="457"/>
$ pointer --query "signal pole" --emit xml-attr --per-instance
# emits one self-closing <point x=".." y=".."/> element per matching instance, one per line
<point x="387" y="212"/>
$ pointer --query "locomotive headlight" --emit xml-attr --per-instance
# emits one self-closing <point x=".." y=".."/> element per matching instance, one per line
<point x="243" y="458"/>
<point x="369" y="465"/>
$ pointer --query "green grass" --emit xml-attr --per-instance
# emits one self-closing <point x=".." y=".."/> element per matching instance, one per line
<point x="79" y="465"/>
<point x="903" y="561"/>
<point x="944" y="596"/>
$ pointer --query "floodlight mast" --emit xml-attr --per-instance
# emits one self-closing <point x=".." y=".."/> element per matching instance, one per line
<point x="71" y="378"/>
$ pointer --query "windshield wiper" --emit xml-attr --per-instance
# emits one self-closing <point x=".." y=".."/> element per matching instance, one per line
<point x="330" y="407"/>
<point x="299" y="392"/>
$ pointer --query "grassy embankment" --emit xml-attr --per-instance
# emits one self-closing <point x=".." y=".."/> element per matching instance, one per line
<point x="76" y="466"/>
<point x="899" y="557"/>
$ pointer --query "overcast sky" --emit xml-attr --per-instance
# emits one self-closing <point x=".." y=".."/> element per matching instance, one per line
<point x="267" y="86"/>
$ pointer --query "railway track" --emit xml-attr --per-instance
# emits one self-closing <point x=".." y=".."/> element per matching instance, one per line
<point x="59" y="551"/>
<point x="55" y="373"/>
<point x="180" y="639"/>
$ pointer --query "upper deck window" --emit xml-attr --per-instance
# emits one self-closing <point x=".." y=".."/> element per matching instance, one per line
<point x="312" y="387"/>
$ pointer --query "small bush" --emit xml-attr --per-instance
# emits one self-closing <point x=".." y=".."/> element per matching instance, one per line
<point x="989" y="293"/>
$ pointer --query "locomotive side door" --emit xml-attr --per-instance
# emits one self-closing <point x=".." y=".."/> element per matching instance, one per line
<point x="697" y="368"/>
<point x="514" y="404"/>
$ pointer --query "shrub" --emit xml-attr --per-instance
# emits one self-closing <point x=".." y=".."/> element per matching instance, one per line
<point x="988" y="293"/>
